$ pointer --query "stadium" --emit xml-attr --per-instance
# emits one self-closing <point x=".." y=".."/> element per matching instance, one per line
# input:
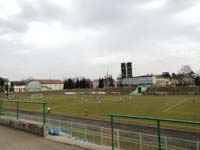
<point x="100" y="74"/>
<point x="65" y="110"/>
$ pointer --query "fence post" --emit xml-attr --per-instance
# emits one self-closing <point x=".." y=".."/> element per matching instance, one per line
<point x="44" y="113"/>
<point x="112" y="132"/>
<point x="17" y="110"/>
<point x="197" y="145"/>
<point x="166" y="147"/>
<point x="118" y="139"/>
<point x="101" y="141"/>
<point x="159" y="139"/>
<point x="140" y="135"/>
<point x="85" y="131"/>
<point x="71" y="127"/>
<point x="39" y="120"/>
<point x="59" y="124"/>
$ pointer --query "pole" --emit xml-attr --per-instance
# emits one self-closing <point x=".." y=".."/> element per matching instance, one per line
<point x="166" y="147"/>
<point x="159" y="139"/>
<point x="9" y="90"/>
<point x="71" y="128"/>
<point x="140" y="135"/>
<point x="112" y="132"/>
<point x="101" y="136"/>
<point x="1" y="107"/>
<point x="85" y="131"/>
<point x="17" y="110"/>
<point x="118" y="139"/>
<point x="44" y="114"/>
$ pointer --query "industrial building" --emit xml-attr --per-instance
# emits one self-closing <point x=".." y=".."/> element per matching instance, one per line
<point x="127" y="79"/>
<point x="126" y="70"/>
<point x="148" y="80"/>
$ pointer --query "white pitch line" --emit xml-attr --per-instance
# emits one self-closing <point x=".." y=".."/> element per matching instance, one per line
<point x="166" y="110"/>
<point x="184" y="113"/>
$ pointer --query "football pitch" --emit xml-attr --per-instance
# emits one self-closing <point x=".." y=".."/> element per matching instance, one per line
<point x="173" y="107"/>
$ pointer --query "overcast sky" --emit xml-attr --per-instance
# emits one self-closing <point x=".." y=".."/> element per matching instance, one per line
<point x="67" y="38"/>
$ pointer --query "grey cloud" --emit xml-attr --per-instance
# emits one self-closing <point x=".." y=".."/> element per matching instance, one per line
<point x="8" y="48"/>
<point x="12" y="25"/>
<point x="41" y="11"/>
<point x="104" y="12"/>
<point x="115" y="12"/>
<point x="179" y="5"/>
<point x="124" y="29"/>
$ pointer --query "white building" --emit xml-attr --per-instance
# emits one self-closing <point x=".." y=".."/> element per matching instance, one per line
<point x="106" y="81"/>
<point x="139" y="80"/>
<point x="95" y="83"/>
<point x="19" y="86"/>
<point x="44" y="85"/>
<point x="149" y="80"/>
<point x="162" y="82"/>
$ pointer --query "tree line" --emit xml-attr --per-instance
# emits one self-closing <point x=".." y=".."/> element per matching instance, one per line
<point x="106" y="82"/>
<point x="71" y="83"/>
<point x="77" y="83"/>
<point x="4" y="87"/>
<point x="197" y="80"/>
<point x="2" y="83"/>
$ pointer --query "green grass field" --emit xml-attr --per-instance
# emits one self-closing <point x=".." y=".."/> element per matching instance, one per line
<point x="173" y="107"/>
<point x="176" y="107"/>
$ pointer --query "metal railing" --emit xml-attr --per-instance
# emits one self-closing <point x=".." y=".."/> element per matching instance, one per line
<point x="158" y="120"/>
<point x="24" y="102"/>
<point x="124" y="139"/>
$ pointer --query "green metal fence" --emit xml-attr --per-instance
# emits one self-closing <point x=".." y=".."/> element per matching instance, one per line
<point x="125" y="139"/>
<point x="157" y="120"/>
<point x="24" y="102"/>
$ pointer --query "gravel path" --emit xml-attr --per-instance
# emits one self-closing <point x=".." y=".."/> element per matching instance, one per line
<point x="11" y="139"/>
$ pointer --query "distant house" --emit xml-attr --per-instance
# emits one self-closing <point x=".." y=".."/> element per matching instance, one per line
<point x="115" y="83"/>
<point x="162" y="81"/>
<point x="173" y="82"/>
<point x="185" y="80"/>
<point x="44" y="85"/>
<point x="107" y="83"/>
<point x="19" y="86"/>
<point x="95" y="83"/>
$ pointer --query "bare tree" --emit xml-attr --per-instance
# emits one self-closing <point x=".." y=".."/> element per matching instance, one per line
<point x="186" y="69"/>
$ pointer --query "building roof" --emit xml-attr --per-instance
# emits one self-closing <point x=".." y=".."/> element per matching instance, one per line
<point x="18" y="83"/>
<point x="46" y="81"/>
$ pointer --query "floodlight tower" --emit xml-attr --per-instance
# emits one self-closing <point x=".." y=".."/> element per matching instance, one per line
<point x="123" y="70"/>
<point x="129" y="70"/>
